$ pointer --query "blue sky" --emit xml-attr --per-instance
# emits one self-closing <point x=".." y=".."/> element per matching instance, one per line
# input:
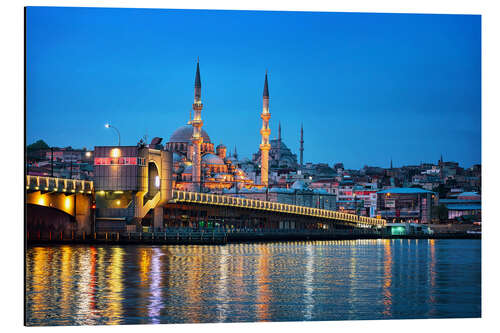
<point x="367" y="87"/>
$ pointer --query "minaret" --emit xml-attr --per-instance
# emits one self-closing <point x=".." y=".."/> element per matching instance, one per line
<point x="391" y="162"/>
<point x="265" y="132"/>
<point x="197" y="123"/>
<point x="235" y="155"/>
<point x="279" y="142"/>
<point x="301" y="145"/>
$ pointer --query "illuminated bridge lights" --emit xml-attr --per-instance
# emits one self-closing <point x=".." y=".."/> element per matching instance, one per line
<point x="54" y="184"/>
<point x="214" y="199"/>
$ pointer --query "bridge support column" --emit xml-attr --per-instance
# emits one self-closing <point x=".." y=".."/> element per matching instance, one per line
<point x="158" y="219"/>
<point x="83" y="216"/>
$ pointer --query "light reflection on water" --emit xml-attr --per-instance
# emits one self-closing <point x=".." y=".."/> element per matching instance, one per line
<point x="322" y="280"/>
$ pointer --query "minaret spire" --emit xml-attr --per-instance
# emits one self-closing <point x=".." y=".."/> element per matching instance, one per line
<point x="391" y="162"/>
<point x="197" y="82"/>
<point x="279" y="142"/>
<point x="265" y="131"/>
<point x="235" y="153"/>
<point x="301" y="145"/>
<point x="197" y="123"/>
<point x="266" y="89"/>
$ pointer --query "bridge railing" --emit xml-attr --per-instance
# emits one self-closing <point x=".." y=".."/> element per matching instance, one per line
<point x="215" y="199"/>
<point x="55" y="184"/>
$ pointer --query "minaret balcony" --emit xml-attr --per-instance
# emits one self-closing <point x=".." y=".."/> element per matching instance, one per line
<point x="265" y="131"/>
<point x="265" y="116"/>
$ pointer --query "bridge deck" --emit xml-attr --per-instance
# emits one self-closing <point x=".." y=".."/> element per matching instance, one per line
<point x="63" y="185"/>
<point x="224" y="200"/>
<point x="53" y="184"/>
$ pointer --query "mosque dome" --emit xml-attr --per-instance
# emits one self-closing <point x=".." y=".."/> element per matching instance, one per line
<point x="212" y="159"/>
<point x="299" y="185"/>
<point x="185" y="133"/>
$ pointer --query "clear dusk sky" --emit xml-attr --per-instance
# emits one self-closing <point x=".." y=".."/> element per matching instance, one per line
<point x="367" y="87"/>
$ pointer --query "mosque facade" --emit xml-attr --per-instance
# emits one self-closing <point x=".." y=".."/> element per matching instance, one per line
<point x="199" y="165"/>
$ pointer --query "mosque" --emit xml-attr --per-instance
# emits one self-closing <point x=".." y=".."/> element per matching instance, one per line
<point x="197" y="165"/>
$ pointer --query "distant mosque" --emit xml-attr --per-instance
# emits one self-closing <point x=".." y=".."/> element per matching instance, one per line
<point x="197" y="165"/>
<point x="281" y="158"/>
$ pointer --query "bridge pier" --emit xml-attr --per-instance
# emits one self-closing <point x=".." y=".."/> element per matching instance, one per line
<point x="158" y="219"/>
<point x="83" y="215"/>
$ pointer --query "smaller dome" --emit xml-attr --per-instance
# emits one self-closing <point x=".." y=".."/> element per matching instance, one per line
<point x="299" y="185"/>
<point x="212" y="159"/>
<point x="221" y="146"/>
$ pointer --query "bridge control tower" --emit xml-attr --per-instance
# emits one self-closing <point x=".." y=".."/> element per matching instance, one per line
<point x="130" y="181"/>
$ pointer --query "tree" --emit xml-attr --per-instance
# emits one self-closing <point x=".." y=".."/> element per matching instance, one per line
<point x="40" y="144"/>
<point x="440" y="212"/>
<point x="34" y="150"/>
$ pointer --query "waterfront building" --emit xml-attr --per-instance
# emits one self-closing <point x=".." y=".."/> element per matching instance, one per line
<point x="403" y="229"/>
<point x="61" y="162"/>
<point x="299" y="193"/>
<point x="465" y="206"/>
<point x="405" y="204"/>
<point x="68" y="154"/>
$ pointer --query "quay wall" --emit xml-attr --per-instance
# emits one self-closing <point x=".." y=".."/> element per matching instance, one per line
<point x="221" y="237"/>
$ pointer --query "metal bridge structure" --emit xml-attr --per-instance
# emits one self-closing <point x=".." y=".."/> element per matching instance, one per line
<point x="275" y="207"/>
<point x="133" y="189"/>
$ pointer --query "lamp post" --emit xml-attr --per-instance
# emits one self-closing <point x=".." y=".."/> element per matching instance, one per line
<point x="355" y="204"/>
<point x="116" y="129"/>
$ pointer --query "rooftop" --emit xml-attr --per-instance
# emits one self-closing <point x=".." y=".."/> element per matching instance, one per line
<point x="404" y="190"/>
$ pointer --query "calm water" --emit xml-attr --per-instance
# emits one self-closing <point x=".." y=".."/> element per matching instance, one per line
<point x="324" y="280"/>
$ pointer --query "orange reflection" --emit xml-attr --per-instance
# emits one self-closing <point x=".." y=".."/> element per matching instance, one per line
<point x="93" y="261"/>
<point x="38" y="300"/>
<point x="66" y="278"/>
<point x="144" y="265"/>
<point x="114" y="311"/>
<point x="432" y="270"/>
<point x="263" y="292"/>
<point x="194" y="283"/>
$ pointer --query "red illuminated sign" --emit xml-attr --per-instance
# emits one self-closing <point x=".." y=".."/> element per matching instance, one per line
<point x="119" y="161"/>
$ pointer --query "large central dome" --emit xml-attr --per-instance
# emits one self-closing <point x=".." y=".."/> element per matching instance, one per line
<point x="185" y="133"/>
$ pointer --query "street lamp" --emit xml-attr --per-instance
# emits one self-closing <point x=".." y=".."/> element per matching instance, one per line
<point x="355" y="205"/>
<point x="116" y="129"/>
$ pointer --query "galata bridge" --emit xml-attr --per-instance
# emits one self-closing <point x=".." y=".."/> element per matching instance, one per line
<point x="132" y="198"/>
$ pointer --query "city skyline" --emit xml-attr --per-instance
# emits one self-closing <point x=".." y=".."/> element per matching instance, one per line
<point x="135" y="69"/>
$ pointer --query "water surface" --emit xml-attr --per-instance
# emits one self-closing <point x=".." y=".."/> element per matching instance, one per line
<point x="290" y="281"/>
